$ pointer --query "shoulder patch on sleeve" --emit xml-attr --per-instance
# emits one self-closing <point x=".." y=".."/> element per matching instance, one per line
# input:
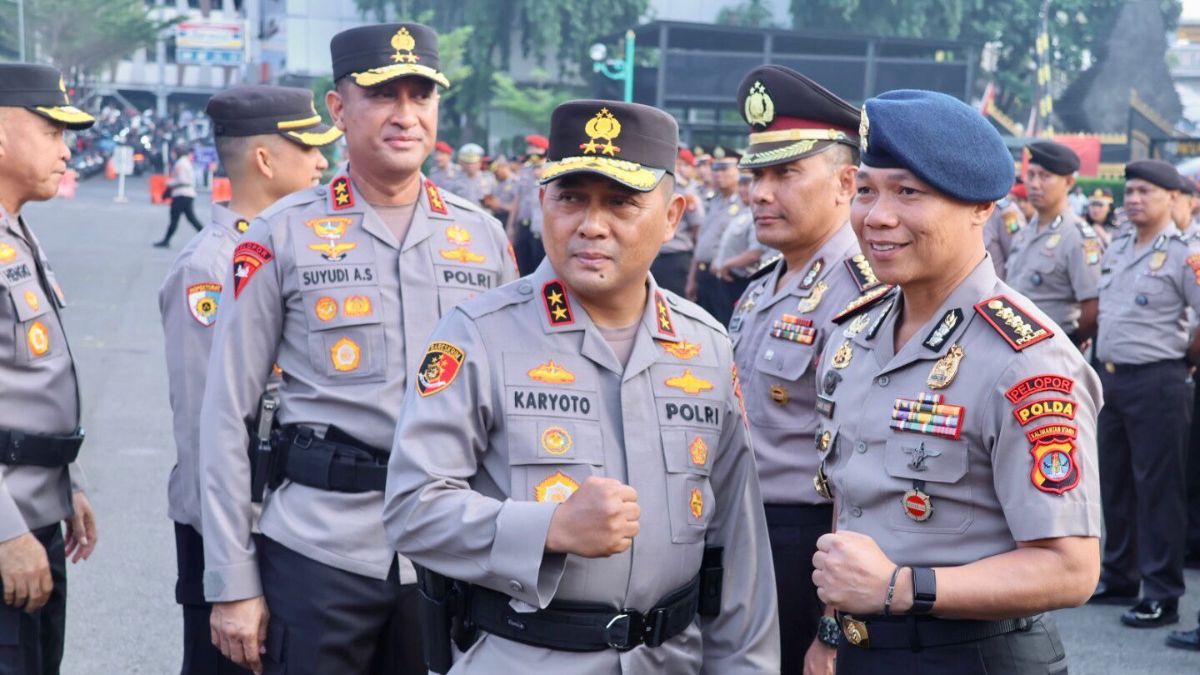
<point x="202" y="300"/>
<point x="1015" y="325"/>
<point x="439" y="367"/>
<point x="248" y="258"/>
<point x="868" y="299"/>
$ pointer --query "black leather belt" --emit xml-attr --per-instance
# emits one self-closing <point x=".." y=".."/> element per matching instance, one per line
<point x="918" y="632"/>
<point x="329" y="464"/>
<point x="703" y="267"/>
<point x="585" y="627"/>
<point x="18" y="447"/>
<point x="1115" y="368"/>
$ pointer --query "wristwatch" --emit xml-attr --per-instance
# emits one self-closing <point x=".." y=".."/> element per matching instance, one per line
<point x="924" y="584"/>
<point x="828" y="632"/>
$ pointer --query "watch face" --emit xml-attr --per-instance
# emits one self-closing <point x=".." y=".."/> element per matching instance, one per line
<point x="828" y="632"/>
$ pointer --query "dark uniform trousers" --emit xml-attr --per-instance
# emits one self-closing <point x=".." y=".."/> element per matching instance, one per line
<point x="200" y="656"/>
<point x="32" y="644"/>
<point x="326" y="620"/>
<point x="670" y="270"/>
<point x="713" y="295"/>
<point x="1037" y="650"/>
<point x="527" y="248"/>
<point x="793" y="530"/>
<point x="1193" y="486"/>
<point x="1143" y="430"/>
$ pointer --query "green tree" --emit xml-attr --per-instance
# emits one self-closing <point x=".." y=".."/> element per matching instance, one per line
<point x="80" y="36"/>
<point x="554" y="32"/>
<point x="752" y="13"/>
<point x="1076" y="28"/>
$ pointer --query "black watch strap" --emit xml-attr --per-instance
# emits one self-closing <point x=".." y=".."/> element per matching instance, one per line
<point x="828" y="632"/>
<point x="924" y="584"/>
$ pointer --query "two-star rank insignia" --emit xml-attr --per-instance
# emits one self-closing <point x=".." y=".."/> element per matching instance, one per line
<point x="342" y="195"/>
<point x="436" y="203"/>
<point x="665" y="324"/>
<point x="558" y="304"/>
<point x="1016" y="326"/>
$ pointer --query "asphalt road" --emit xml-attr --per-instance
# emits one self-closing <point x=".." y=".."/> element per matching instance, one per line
<point x="122" y="617"/>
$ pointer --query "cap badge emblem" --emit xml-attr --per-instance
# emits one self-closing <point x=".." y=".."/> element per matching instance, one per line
<point x="604" y="126"/>
<point x="404" y="43"/>
<point x="759" y="108"/>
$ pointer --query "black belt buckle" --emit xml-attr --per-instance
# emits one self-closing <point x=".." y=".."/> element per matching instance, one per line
<point x="631" y="628"/>
<point x="15" y="439"/>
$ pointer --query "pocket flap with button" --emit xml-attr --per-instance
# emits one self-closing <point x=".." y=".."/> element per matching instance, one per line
<point x="1149" y="284"/>
<point x="785" y="360"/>
<point x="536" y="440"/>
<point x="29" y="301"/>
<point x="927" y="458"/>
<point x="688" y="451"/>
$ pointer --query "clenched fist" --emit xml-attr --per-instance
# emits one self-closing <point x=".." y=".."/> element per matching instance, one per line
<point x="600" y="519"/>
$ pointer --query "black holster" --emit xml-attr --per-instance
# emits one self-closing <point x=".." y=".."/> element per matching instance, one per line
<point x="443" y="619"/>
<point x="264" y="437"/>
<point x="712" y="581"/>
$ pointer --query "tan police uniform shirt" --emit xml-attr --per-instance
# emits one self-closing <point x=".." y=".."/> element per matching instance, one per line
<point x="1145" y="293"/>
<point x="521" y="400"/>
<point x="321" y="281"/>
<point x="718" y="213"/>
<point x="1056" y="266"/>
<point x="999" y="230"/>
<point x="39" y="390"/>
<point x="952" y="454"/>
<point x="778" y="333"/>
<point x="188" y="300"/>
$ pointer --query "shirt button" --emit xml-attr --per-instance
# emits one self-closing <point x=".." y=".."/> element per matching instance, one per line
<point x="524" y="288"/>
<point x="855" y="511"/>
<point x="883" y="380"/>
<point x="860" y="447"/>
<point x="769" y="355"/>
<point x="515" y="586"/>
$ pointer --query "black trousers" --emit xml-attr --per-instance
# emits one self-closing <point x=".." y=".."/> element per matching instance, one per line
<point x="527" y="247"/>
<point x="200" y="656"/>
<point x="793" y="530"/>
<point x="712" y="296"/>
<point x="670" y="271"/>
<point x="326" y="620"/>
<point x="1193" y="483"/>
<point x="1037" y="651"/>
<point x="1143" y="428"/>
<point x="181" y="206"/>
<point x="32" y="644"/>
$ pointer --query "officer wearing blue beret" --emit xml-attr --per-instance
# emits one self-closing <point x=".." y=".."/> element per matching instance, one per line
<point x="960" y="446"/>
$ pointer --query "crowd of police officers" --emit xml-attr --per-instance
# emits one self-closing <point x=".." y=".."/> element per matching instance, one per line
<point x="472" y="422"/>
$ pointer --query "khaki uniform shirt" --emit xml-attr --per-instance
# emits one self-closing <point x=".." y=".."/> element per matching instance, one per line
<point x="693" y="216"/>
<point x="522" y="400"/>
<point x="777" y="337"/>
<point x="39" y="392"/>
<point x="322" y="282"/>
<point x="1144" y="297"/>
<point x="967" y="439"/>
<point x="718" y="213"/>
<point x="999" y="230"/>
<point x="188" y="300"/>
<point x="1056" y="267"/>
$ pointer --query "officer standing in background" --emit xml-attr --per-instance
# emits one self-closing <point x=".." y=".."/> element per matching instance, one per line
<point x="803" y="155"/>
<point x="339" y="284"/>
<point x="1055" y="260"/>
<point x="473" y="184"/>
<point x="1100" y="214"/>
<point x="525" y="220"/>
<point x="1148" y="282"/>
<point x="960" y="445"/>
<point x="268" y="140"/>
<point x="670" y="268"/>
<point x="41" y="487"/>
<point x="703" y="285"/>
<point x="739" y="254"/>
<point x="502" y="201"/>
<point x="560" y="419"/>
<point x="999" y="230"/>
<point x="445" y="172"/>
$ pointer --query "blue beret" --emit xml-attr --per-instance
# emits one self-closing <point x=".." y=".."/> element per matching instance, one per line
<point x="941" y="140"/>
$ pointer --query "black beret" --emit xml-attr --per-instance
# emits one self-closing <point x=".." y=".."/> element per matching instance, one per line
<point x="1188" y="185"/>
<point x="941" y="140"/>
<point x="1155" y="171"/>
<point x="631" y="143"/>
<point x="791" y="116"/>
<point x="40" y="90"/>
<point x="373" y="55"/>
<point x="1053" y="157"/>
<point x="261" y="109"/>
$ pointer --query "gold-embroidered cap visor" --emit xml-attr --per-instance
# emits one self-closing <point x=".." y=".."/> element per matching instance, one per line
<point x="629" y="174"/>
<point x="69" y="115"/>
<point x="316" y="137"/>
<point x="377" y="76"/>
<point x="768" y="148"/>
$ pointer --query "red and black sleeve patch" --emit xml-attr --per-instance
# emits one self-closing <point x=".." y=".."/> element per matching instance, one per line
<point x="1015" y="325"/>
<point x="1038" y="384"/>
<point x="248" y="258"/>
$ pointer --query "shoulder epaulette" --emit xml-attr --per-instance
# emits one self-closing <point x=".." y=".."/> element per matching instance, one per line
<point x="765" y="268"/>
<point x="865" y="301"/>
<point x="860" y="270"/>
<point x="1086" y="230"/>
<point x="693" y="311"/>
<point x="462" y="202"/>
<point x="512" y="293"/>
<point x="1018" y="328"/>
<point x="301" y="198"/>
